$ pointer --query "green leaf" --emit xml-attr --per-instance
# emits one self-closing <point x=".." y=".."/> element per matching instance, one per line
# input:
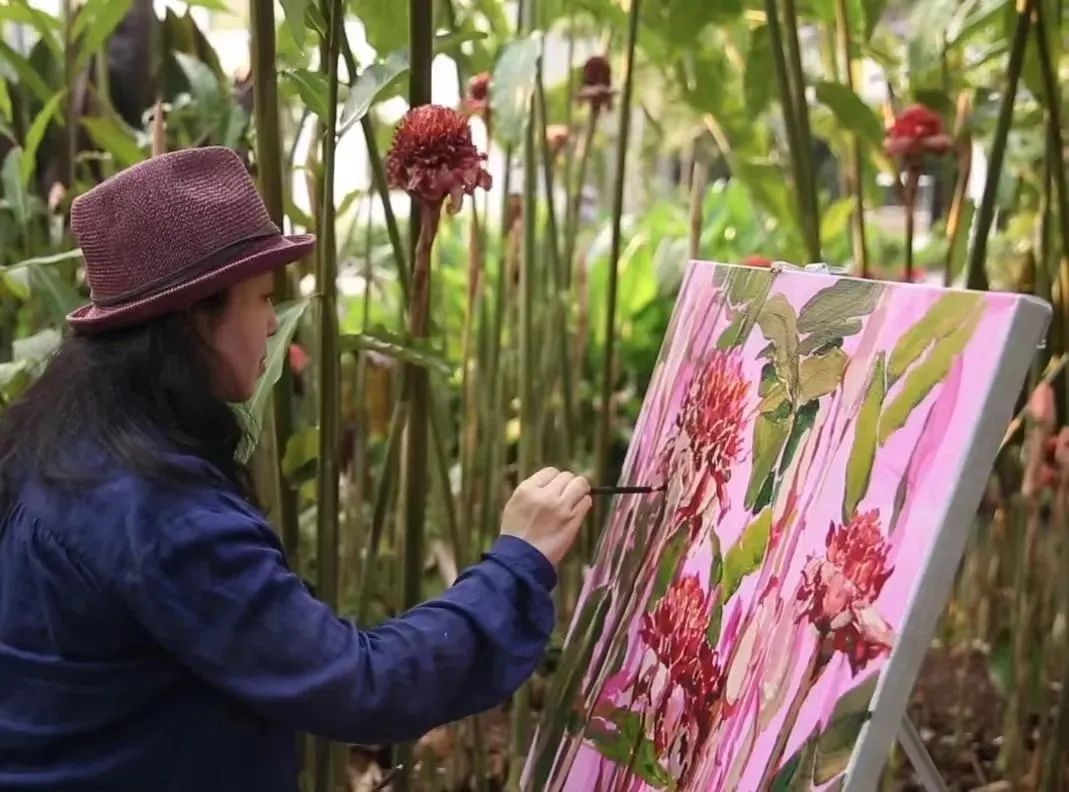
<point x="820" y="375"/>
<point x="5" y="101"/>
<point x="779" y="325"/>
<point x="36" y="134"/>
<point x="385" y="24"/>
<point x="512" y="86"/>
<point x="843" y="300"/>
<point x="289" y="317"/>
<point x="312" y="87"/>
<point x="212" y="5"/>
<point x="17" y="283"/>
<point x="28" y="76"/>
<point x="666" y="568"/>
<point x="103" y="17"/>
<point x="866" y="430"/>
<point x="37" y="347"/>
<point x="747" y="554"/>
<point x="398" y="347"/>
<point x="55" y="258"/>
<point x="575" y="660"/>
<point x="60" y="298"/>
<point x="758" y="78"/>
<point x="873" y="12"/>
<point x="14" y="191"/>
<point x="113" y="137"/>
<point x="956" y="257"/>
<point x="851" y="112"/>
<point x="368" y="85"/>
<point x="294" y="11"/>
<point x="302" y="454"/>
<point x="835" y="218"/>
<point x="943" y="318"/>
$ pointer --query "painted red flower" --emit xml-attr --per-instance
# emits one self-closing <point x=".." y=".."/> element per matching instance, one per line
<point x="597" y="83"/>
<point x="917" y="131"/>
<point x="700" y="459"/>
<point x="433" y="156"/>
<point x="477" y="102"/>
<point x="676" y="632"/>
<point x="838" y="590"/>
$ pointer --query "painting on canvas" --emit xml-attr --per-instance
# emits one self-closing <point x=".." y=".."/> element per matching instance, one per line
<point x="733" y="628"/>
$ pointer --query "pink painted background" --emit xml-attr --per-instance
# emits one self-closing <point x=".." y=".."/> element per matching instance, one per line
<point x="762" y="635"/>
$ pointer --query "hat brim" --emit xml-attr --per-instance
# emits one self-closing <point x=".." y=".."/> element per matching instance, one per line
<point x="269" y="255"/>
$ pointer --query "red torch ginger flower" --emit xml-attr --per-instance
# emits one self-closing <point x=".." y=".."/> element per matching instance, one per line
<point x="477" y="102"/>
<point x="675" y="632"/>
<point x="838" y="590"/>
<point x="917" y="131"/>
<point x="699" y="460"/>
<point x="433" y="157"/>
<point x="757" y="261"/>
<point x="597" y="83"/>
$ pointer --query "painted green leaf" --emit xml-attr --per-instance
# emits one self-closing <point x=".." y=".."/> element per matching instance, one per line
<point x="513" y="83"/>
<point x="115" y="138"/>
<point x="836" y="742"/>
<point x="844" y="299"/>
<point x="769" y="437"/>
<point x="863" y="452"/>
<point x="666" y="568"/>
<point x="289" y="316"/>
<point x="628" y="746"/>
<point x="820" y="375"/>
<point x="851" y="112"/>
<point x="36" y="135"/>
<point x="712" y="632"/>
<point x="732" y="333"/>
<point x="796" y="774"/>
<point x="368" y="85"/>
<point x="803" y="421"/>
<point x="926" y="375"/>
<point x="779" y="325"/>
<point x="384" y="342"/>
<point x="944" y="317"/>
<point x="828" y="334"/>
<point x="566" y="683"/>
<point x="746" y="555"/>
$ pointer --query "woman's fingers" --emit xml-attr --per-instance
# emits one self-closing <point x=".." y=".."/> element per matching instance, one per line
<point x="543" y="476"/>
<point x="577" y="489"/>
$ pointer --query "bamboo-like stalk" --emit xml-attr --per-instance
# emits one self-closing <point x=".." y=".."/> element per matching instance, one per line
<point x="807" y="189"/>
<point x="70" y="54"/>
<point x="855" y="174"/>
<point x="328" y="384"/>
<point x="698" y="184"/>
<point x="976" y="277"/>
<point x="604" y="434"/>
<point x="529" y="436"/>
<point x="269" y="171"/>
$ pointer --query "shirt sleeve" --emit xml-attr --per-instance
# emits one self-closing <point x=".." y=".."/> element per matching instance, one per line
<point x="213" y="588"/>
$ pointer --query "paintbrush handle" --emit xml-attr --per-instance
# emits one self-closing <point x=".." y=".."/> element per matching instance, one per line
<point x="622" y="490"/>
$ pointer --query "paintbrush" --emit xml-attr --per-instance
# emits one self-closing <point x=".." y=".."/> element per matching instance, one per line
<point x="625" y="490"/>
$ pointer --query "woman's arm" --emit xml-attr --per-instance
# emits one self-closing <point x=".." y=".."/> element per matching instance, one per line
<point x="213" y="588"/>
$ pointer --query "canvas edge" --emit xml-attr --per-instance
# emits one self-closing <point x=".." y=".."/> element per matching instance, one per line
<point x="932" y="588"/>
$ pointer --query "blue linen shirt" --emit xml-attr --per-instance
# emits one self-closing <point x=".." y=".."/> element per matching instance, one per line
<point x="152" y="637"/>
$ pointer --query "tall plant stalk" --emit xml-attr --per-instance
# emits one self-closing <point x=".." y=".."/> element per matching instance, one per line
<point x="424" y="226"/>
<point x="528" y="363"/>
<point x="855" y="174"/>
<point x="976" y="277"/>
<point x="328" y="383"/>
<point x="604" y="433"/>
<point x="269" y="169"/>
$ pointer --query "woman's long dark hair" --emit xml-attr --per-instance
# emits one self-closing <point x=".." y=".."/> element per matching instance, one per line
<point x="125" y="397"/>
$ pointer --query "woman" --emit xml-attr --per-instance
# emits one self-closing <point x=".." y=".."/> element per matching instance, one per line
<point x="151" y="634"/>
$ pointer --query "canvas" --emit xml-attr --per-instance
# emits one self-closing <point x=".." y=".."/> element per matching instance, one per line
<point x="822" y="443"/>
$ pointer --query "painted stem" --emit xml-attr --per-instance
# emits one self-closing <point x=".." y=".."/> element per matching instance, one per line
<point x="269" y="169"/>
<point x="976" y="277"/>
<point x="604" y="435"/>
<point x="813" y="670"/>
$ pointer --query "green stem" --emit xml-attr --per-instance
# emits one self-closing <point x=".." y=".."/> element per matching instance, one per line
<point x="269" y="168"/>
<point x="910" y="206"/>
<point x="976" y="277"/>
<point x="604" y="436"/>
<point x="328" y="385"/>
<point x="855" y="162"/>
<point x="571" y="221"/>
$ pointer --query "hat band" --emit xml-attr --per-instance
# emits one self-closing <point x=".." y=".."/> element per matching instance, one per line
<point x="213" y="260"/>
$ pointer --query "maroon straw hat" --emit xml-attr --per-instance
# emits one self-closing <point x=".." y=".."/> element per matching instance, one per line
<point x="172" y="230"/>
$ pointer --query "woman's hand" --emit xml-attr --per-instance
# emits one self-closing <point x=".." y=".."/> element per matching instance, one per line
<point x="546" y="510"/>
